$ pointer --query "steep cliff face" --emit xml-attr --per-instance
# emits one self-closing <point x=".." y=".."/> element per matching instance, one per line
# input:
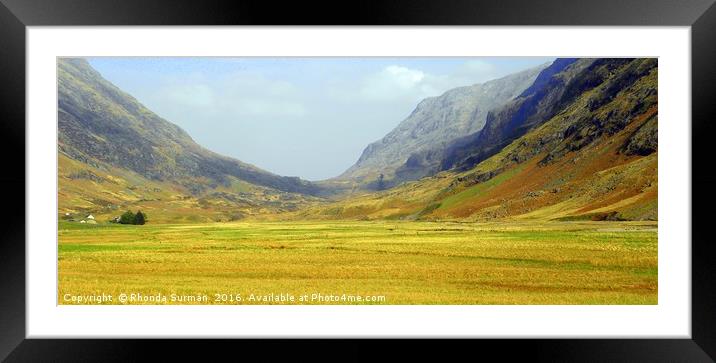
<point x="433" y="124"/>
<point x="99" y="123"/>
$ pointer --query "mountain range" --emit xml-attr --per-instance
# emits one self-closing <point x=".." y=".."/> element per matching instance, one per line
<point x="572" y="139"/>
<point x="580" y="143"/>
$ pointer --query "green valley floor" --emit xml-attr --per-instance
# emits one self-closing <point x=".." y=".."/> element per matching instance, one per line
<point x="360" y="262"/>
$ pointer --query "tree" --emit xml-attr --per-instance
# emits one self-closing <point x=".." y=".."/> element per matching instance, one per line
<point x="140" y="218"/>
<point x="127" y="218"/>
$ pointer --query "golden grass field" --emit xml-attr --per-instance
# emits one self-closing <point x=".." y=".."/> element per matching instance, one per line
<point x="579" y="262"/>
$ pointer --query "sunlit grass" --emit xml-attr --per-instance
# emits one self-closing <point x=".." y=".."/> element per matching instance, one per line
<point x="407" y="262"/>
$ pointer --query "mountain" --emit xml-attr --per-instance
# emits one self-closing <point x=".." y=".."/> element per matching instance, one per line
<point x="579" y="143"/>
<point x="557" y="86"/>
<point x="105" y="131"/>
<point x="97" y="121"/>
<point x="434" y="123"/>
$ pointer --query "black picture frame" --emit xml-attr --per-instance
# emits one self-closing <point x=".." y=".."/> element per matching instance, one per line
<point x="16" y="15"/>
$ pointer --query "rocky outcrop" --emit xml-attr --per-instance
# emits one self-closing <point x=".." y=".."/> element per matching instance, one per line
<point x="645" y="140"/>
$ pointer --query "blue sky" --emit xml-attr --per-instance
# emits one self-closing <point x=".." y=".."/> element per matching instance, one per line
<point x="306" y="117"/>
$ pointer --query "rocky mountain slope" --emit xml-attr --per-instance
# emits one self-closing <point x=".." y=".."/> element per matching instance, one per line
<point x="103" y="129"/>
<point x="557" y="87"/>
<point x="580" y="143"/>
<point x="434" y="123"/>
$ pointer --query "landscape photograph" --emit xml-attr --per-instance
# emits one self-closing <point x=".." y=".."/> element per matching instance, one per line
<point x="357" y="180"/>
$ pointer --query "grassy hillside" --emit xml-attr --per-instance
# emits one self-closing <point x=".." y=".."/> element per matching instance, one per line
<point x="594" y="158"/>
<point x="99" y="122"/>
<point x="106" y="192"/>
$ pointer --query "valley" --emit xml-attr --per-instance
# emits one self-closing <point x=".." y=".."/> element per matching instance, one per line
<point x="540" y="187"/>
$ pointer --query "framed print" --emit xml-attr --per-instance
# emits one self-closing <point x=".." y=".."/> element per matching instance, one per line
<point x="416" y="170"/>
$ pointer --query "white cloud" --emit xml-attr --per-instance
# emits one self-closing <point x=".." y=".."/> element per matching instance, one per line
<point x="392" y="82"/>
<point x="402" y="76"/>
<point x="398" y="82"/>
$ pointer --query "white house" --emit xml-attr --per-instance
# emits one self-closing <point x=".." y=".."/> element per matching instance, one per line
<point x="90" y="217"/>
